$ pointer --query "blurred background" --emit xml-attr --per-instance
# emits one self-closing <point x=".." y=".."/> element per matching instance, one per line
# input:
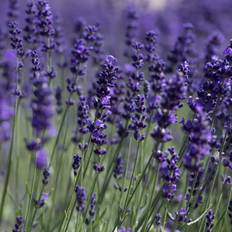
<point x="164" y="16"/>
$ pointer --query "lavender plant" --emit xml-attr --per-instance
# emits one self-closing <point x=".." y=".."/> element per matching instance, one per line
<point x="117" y="119"/>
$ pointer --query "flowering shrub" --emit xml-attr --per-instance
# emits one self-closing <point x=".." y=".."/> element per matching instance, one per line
<point x="119" y="125"/>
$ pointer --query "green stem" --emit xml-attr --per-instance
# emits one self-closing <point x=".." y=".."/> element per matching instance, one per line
<point x="32" y="187"/>
<point x="58" y="135"/>
<point x="132" y="176"/>
<point x="56" y="182"/>
<point x="9" y="165"/>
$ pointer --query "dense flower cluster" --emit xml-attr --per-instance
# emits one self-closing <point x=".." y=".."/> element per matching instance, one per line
<point x="118" y="121"/>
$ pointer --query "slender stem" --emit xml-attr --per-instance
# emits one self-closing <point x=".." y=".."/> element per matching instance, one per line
<point x="132" y="176"/>
<point x="110" y="171"/>
<point x="139" y="181"/>
<point x="9" y="165"/>
<point x="56" y="181"/>
<point x="69" y="206"/>
<point x="32" y="187"/>
<point x="58" y="135"/>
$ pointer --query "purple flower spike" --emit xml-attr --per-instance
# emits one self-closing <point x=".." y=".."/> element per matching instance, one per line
<point x="41" y="201"/>
<point x="19" y="225"/>
<point x="81" y="198"/>
<point x="41" y="160"/>
<point x="209" y="220"/>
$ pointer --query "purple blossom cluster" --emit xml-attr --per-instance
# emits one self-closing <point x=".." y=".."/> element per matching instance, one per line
<point x="97" y="97"/>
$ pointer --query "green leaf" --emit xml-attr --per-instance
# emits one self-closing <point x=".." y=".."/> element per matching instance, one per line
<point x="199" y="218"/>
<point x="98" y="219"/>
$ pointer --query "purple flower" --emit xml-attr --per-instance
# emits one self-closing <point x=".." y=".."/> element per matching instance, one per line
<point x="30" y="32"/>
<point x="76" y="163"/>
<point x="36" y="66"/>
<point x="138" y="118"/>
<point x="13" y="10"/>
<point x="182" y="215"/>
<point x="106" y="79"/>
<point x="157" y="219"/>
<point x="119" y="167"/>
<point x="15" y="38"/>
<point x="183" y="49"/>
<point x="169" y="172"/>
<point x="41" y="160"/>
<point x="59" y="39"/>
<point x="209" y="220"/>
<point x="98" y="167"/>
<point x="41" y="201"/>
<point x="7" y="87"/>
<point x="44" y="15"/>
<point x="83" y="119"/>
<point x="81" y="198"/>
<point x="200" y="136"/>
<point x="42" y="106"/>
<point x="79" y="57"/>
<point x="105" y="85"/>
<point x="58" y="97"/>
<point x="123" y="229"/>
<point x="213" y="46"/>
<point x="173" y="92"/>
<point x="46" y="175"/>
<point x="92" y="209"/>
<point x="131" y="26"/>
<point x="19" y="225"/>
<point x="169" y="190"/>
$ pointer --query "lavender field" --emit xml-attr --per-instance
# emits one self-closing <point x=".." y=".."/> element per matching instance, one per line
<point x="115" y="116"/>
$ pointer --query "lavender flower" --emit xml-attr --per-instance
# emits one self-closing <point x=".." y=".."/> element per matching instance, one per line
<point x="15" y="38"/>
<point x="212" y="46"/>
<point x="119" y="167"/>
<point x="41" y="201"/>
<point x="157" y="219"/>
<point x="173" y="92"/>
<point x="106" y="79"/>
<point x="81" y="198"/>
<point x="59" y="38"/>
<point x="7" y="86"/>
<point x="30" y="32"/>
<point x="131" y="26"/>
<point x="41" y="160"/>
<point x="83" y="119"/>
<point x="6" y="112"/>
<point x="139" y="117"/>
<point x="135" y="106"/>
<point x="80" y="55"/>
<point x="183" y="49"/>
<point x="44" y="19"/>
<point x="92" y="209"/>
<point x="76" y="163"/>
<point x="182" y="215"/>
<point x="13" y="10"/>
<point x="91" y="34"/>
<point x="199" y="139"/>
<point x="170" y="173"/>
<point x="46" y="175"/>
<point x="98" y="167"/>
<point x="58" y="97"/>
<point x="146" y="91"/>
<point x="19" y="225"/>
<point x="209" y="220"/>
<point x="42" y="106"/>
